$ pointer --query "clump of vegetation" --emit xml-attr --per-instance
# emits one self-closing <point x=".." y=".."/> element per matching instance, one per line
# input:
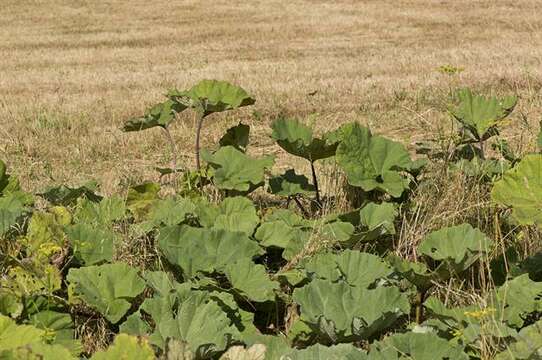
<point x="232" y="276"/>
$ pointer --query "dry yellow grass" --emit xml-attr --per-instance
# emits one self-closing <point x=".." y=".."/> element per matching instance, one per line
<point x="71" y="71"/>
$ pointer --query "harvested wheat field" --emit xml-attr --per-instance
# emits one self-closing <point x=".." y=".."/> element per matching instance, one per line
<point x="382" y="198"/>
<point x="73" y="71"/>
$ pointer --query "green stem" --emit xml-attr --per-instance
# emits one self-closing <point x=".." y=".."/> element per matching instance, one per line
<point x="315" y="183"/>
<point x="482" y="149"/>
<point x="420" y="297"/>
<point x="301" y="207"/>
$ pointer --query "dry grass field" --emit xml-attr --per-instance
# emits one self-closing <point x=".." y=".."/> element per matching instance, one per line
<point x="71" y="71"/>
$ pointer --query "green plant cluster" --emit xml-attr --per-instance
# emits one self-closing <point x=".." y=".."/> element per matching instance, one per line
<point x="284" y="279"/>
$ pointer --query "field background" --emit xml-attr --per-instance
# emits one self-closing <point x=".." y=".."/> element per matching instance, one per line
<point x="71" y="71"/>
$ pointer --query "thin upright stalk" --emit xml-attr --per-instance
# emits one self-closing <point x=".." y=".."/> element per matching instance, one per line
<point x="315" y="183"/>
<point x="173" y="147"/>
<point x="482" y="155"/>
<point x="301" y="207"/>
<point x="199" y="120"/>
<point x="420" y="297"/>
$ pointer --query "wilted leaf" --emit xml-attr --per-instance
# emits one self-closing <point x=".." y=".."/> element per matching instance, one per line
<point x="126" y="347"/>
<point x="141" y="198"/>
<point x="255" y="352"/>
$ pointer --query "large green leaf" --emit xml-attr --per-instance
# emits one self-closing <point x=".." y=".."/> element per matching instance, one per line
<point x="251" y="280"/>
<point x="341" y="312"/>
<point x="38" y="351"/>
<point x="108" y="288"/>
<point x="415" y="272"/>
<point x="377" y="220"/>
<point x="10" y="303"/>
<point x="12" y="207"/>
<point x="204" y="250"/>
<point x="521" y="189"/>
<point x="234" y="170"/>
<point x="353" y="267"/>
<point x="203" y="325"/>
<point x="13" y="336"/>
<point x="126" y="347"/>
<point x="416" y="346"/>
<point x="297" y="139"/>
<point x="290" y="184"/>
<point x="59" y="327"/>
<point x="278" y="233"/>
<point x="479" y="114"/>
<point x="320" y="352"/>
<point x="517" y="299"/>
<point x="458" y="247"/>
<point x="211" y="96"/>
<point x="236" y="136"/>
<point x="161" y="114"/>
<point x="527" y="345"/>
<point x="168" y="212"/>
<point x="8" y="183"/>
<point x="66" y="196"/>
<point x="236" y="214"/>
<point x="91" y="245"/>
<point x="103" y="213"/>
<point x="28" y="342"/>
<point x="373" y="162"/>
<point x="474" y="322"/>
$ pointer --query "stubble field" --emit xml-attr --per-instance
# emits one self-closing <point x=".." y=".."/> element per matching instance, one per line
<point x="72" y="71"/>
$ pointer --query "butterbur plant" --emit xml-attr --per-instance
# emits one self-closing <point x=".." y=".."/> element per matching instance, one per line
<point x="209" y="97"/>
<point x="159" y="115"/>
<point x="205" y="98"/>
<point x="298" y="139"/>
<point x="480" y="117"/>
